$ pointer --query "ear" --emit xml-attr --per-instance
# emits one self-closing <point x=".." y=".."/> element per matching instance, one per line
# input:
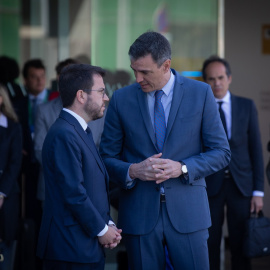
<point x="80" y="96"/>
<point x="230" y="79"/>
<point x="167" y="65"/>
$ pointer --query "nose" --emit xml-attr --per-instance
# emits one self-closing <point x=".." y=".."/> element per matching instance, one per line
<point x="106" y="98"/>
<point x="139" y="77"/>
<point x="217" y="82"/>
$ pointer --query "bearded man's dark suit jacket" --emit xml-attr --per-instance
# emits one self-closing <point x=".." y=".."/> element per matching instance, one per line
<point x="246" y="168"/>
<point x="46" y="115"/>
<point x="76" y="207"/>
<point x="129" y="137"/>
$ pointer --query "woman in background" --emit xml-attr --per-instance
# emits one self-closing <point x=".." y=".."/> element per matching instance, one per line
<point x="10" y="164"/>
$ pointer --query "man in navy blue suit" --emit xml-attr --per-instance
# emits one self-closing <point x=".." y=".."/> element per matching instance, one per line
<point x="162" y="136"/>
<point x="76" y="223"/>
<point x="240" y="185"/>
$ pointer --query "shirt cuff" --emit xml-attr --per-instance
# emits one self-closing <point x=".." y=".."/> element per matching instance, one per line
<point x="129" y="181"/>
<point x="111" y="223"/>
<point x="103" y="231"/>
<point x="258" y="193"/>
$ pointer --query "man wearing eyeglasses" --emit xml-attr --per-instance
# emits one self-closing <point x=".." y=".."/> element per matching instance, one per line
<point x="46" y="115"/>
<point x="162" y="137"/>
<point x="76" y="224"/>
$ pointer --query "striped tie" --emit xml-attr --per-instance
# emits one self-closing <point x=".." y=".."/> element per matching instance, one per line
<point x="159" y="120"/>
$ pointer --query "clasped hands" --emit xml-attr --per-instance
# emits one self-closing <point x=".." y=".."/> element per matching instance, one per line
<point x="111" y="238"/>
<point x="156" y="169"/>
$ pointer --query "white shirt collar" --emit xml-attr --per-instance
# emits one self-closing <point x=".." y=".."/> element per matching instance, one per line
<point x="3" y="121"/>
<point x="167" y="87"/>
<point x="79" y="118"/>
<point x="226" y="98"/>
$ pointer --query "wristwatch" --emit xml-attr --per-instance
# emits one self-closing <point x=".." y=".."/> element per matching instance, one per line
<point x="184" y="170"/>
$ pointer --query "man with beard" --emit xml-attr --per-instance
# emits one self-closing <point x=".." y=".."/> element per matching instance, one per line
<point x="76" y="223"/>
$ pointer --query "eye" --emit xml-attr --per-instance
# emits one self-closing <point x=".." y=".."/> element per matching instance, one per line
<point x="102" y="92"/>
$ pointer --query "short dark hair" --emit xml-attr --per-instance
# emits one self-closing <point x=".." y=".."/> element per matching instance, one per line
<point x="9" y="69"/>
<point x="151" y="43"/>
<point x="75" y="77"/>
<point x="35" y="63"/>
<point x="215" y="58"/>
<point x="64" y="63"/>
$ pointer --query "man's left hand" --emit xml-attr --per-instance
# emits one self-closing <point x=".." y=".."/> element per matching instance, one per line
<point x="256" y="204"/>
<point x="171" y="169"/>
<point x="118" y="238"/>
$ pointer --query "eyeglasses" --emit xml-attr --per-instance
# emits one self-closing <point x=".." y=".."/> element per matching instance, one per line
<point x="101" y="91"/>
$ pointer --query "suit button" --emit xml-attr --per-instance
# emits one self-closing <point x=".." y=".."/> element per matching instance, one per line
<point x="157" y="188"/>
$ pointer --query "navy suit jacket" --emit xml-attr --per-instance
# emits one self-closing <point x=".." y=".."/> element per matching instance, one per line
<point x="246" y="164"/>
<point x="129" y="137"/>
<point x="10" y="165"/>
<point x="77" y="205"/>
<point x="46" y="115"/>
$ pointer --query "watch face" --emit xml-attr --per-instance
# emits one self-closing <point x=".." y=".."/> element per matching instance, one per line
<point x="184" y="169"/>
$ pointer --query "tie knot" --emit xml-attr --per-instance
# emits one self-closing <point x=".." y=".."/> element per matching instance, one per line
<point x="220" y="103"/>
<point x="88" y="130"/>
<point x="159" y="94"/>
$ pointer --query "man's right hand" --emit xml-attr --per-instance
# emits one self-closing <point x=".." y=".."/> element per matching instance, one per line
<point x="111" y="238"/>
<point x="146" y="170"/>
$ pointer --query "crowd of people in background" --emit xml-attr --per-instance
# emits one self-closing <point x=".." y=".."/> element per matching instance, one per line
<point x="131" y="149"/>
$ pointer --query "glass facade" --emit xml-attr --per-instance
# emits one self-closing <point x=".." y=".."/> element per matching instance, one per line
<point x="190" y="25"/>
<point x="101" y="31"/>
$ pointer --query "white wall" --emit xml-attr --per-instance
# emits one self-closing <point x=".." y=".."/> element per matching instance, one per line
<point x="250" y="68"/>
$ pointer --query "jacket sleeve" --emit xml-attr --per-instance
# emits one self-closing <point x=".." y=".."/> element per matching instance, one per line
<point x="255" y="150"/>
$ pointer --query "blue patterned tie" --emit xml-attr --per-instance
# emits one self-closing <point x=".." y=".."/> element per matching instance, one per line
<point x="159" y="120"/>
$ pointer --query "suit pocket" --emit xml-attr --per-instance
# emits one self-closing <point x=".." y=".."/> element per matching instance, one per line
<point x="200" y="182"/>
<point x="187" y="117"/>
<point x="189" y="125"/>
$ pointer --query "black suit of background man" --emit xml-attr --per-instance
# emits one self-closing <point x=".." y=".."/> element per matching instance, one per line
<point x="239" y="186"/>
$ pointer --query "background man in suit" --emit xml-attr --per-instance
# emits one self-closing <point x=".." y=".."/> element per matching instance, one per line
<point x="76" y="218"/>
<point x="34" y="74"/>
<point x="153" y="151"/>
<point x="240" y="185"/>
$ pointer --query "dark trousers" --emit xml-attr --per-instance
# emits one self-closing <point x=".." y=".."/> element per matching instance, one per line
<point x="186" y="251"/>
<point x="238" y="210"/>
<point x="61" y="265"/>
<point x="8" y="252"/>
